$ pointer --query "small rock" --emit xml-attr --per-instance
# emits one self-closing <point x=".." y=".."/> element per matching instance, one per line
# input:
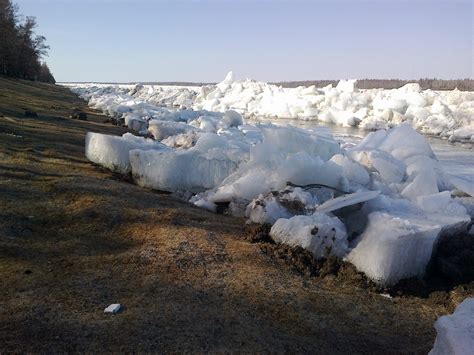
<point x="29" y="113"/>
<point x="79" y="115"/>
<point x="113" y="308"/>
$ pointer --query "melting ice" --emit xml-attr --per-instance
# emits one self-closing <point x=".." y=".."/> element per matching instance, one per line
<point x="381" y="203"/>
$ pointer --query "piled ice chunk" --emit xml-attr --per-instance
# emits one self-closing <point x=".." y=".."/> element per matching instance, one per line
<point x="319" y="233"/>
<point x="445" y="113"/>
<point x="389" y="193"/>
<point x="405" y="223"/>
<point x="197" y="169"/>
<point x="163" y="129"/>
<point x="393" y="248"/>
<point x="286" y="154"/>
<point x="112" y="152"/>
<point x="456" y="331"/>
<point x="285" y="204"/>
<point x="178" y="170"/>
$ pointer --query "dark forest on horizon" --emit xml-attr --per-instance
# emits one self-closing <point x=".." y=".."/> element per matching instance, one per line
<point x="426" y="83"/>
<point x="21" y="49"/>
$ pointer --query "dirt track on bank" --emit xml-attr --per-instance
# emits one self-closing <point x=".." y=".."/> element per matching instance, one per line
<point x="74" y="238"/>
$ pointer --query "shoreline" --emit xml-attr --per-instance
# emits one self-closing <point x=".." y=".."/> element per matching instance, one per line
<point x="78" y="239"/>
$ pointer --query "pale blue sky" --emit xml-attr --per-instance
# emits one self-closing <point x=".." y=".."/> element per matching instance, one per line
<point x="158" y="40"/>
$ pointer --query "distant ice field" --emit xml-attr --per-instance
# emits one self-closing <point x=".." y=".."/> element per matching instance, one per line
<point x="447" y="114"/>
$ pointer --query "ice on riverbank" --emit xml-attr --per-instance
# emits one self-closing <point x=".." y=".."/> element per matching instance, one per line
<point x="200" y="168"/>
<point x="388" y="193"/>
<point x="405" y="222"/>
<point x="112" y="152"/>
<point x="283" y="204"/>
<point x="399" y="238"/>
<point x="178" y="171"/>
<point x="456" y="331"/>
<point x="443" y="113"/>
<point x="322" y="235"/>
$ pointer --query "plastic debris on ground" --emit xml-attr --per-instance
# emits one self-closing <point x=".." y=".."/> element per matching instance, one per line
<point x="113" y="308"/>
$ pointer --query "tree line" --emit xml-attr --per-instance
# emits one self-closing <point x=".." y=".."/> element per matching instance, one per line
<point x="433" y="84"/>
<point x="21" y="49"/>
<point x="425" y="84"/>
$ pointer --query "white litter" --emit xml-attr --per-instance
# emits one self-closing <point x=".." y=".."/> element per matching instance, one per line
<point x="113" y="308"/>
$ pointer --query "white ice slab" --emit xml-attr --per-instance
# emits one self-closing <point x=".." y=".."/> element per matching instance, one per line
<point x="346" y="200"/>
<point x="178" y="170"/>
<point x="112" y="152"/>
<point x="399" y="238"/>
<point x="456" y="331"/>
<point x="322" y="235"/>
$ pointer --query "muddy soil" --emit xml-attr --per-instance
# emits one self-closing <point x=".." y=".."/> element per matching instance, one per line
<point x="74" y="238"/>
<point x="449" y="277"/>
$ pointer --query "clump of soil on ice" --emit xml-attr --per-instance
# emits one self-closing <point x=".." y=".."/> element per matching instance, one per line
<point x="449" y="277"/>
<point x="302" y="260"/>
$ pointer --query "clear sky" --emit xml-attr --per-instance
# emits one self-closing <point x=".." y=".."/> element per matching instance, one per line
<point x="159" y="40"/>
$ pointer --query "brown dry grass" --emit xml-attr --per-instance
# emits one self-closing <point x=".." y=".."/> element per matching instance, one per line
<point x="74" y="239"/>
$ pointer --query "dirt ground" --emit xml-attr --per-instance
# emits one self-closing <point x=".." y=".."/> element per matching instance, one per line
<point x="74" y="238"/>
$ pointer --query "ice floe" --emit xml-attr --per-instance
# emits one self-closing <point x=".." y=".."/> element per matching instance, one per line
<point x="112" y="152"/>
